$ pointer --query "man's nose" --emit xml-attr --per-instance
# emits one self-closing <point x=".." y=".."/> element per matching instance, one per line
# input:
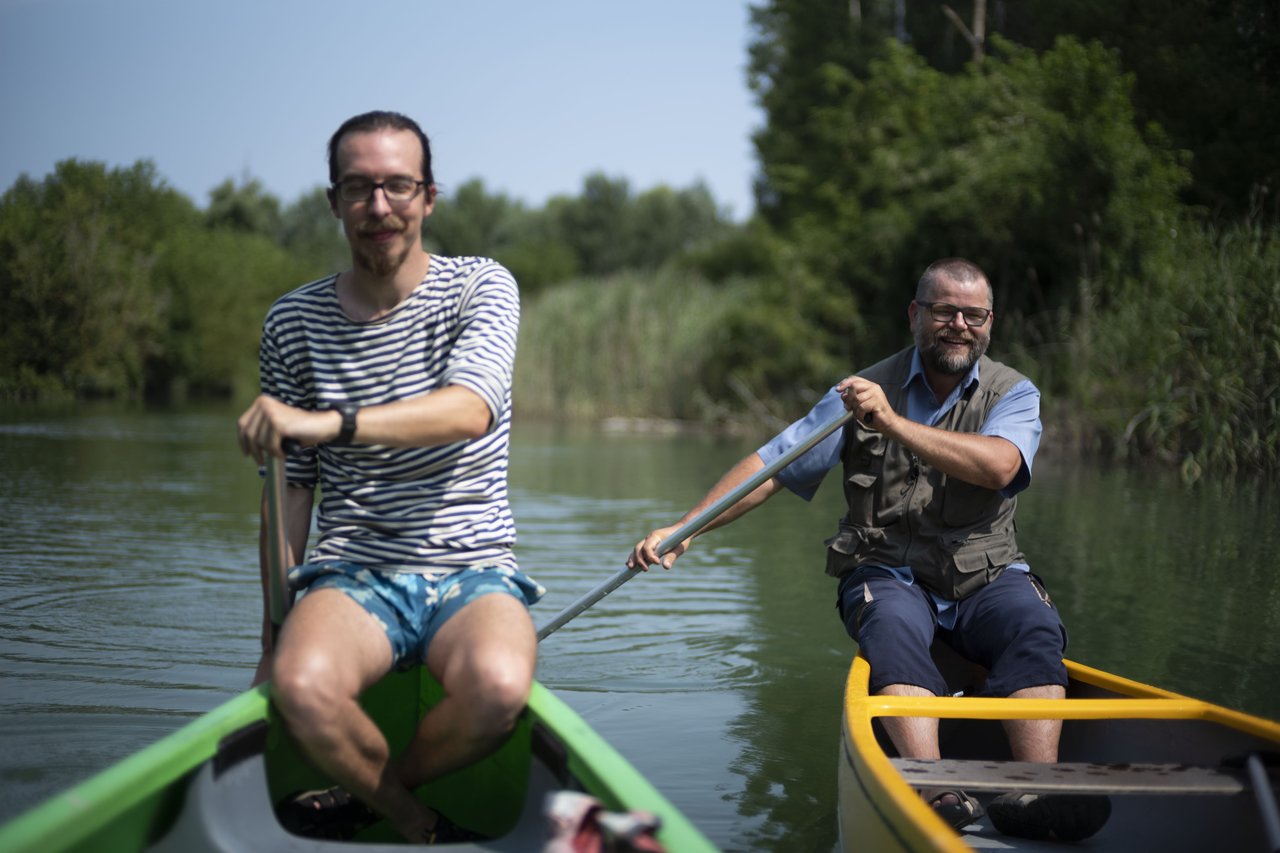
<point x="378" y="201"/>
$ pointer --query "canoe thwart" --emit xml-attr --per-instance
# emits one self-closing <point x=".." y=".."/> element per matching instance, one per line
<point x="1070" y="777"/>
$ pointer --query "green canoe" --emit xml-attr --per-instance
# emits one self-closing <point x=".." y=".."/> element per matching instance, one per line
<point x="212" y="784"/>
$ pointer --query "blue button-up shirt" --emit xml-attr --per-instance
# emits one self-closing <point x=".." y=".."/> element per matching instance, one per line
<point x="1016" y="417"/>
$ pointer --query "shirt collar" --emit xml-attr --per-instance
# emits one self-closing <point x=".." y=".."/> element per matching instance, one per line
<point x="917" y="372"/>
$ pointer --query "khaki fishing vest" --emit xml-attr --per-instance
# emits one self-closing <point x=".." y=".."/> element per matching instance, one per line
<point x="955" y="537"/>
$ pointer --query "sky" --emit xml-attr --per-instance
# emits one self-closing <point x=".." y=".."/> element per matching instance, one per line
<point x="529" y="97"/>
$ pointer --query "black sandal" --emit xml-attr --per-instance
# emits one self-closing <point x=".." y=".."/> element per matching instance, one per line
<point x="957" y="815"/>
<point x="1050" y="817"/>
<point x="331" y="813"/>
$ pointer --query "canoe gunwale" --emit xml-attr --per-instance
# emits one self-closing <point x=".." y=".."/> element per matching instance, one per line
<point x="873" y="791"/>
<point x="134" y="802"/>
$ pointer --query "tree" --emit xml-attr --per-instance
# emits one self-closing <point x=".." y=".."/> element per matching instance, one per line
<point x="217" y="286"/>
<point x="1207" y="72"/>
<point x="77" y="251"/>
<point x="246" y="207"/>
<point x="472" y="221"/>
<point x="1034" y="167"/>
<point x="310" y="232"/>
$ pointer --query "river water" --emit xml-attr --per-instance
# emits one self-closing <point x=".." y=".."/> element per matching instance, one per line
<point x="130" y="602"/>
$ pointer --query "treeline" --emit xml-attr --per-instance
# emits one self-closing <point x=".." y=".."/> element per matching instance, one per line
<point x="1110" y="164"/>
<point x="117" y="286"/>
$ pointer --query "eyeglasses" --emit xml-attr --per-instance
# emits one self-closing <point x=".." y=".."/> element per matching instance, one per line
<point x="397" y="190"/>
<point x="945" y="312"/>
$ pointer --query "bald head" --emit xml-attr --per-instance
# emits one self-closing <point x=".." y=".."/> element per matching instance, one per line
<point x="956" y="269"/>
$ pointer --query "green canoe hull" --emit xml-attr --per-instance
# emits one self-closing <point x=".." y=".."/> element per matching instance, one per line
<point x="145" y="800"/>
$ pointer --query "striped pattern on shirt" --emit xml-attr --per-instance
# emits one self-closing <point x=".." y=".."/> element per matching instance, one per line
<point x="422" y="509"/>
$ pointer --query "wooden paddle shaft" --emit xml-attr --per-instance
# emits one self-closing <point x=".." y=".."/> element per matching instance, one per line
<point x="277" y="538"/>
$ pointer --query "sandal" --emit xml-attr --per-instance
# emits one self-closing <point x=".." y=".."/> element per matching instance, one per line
<point x="331" y="813"/>
<point x="1050" y="817"/>
<point x="958" y="811"/>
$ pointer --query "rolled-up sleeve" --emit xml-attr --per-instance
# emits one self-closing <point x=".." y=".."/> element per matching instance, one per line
<point x="1016" y="418"/>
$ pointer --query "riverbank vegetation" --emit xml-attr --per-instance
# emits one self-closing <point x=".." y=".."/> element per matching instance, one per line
<point x="1114" y="172"/>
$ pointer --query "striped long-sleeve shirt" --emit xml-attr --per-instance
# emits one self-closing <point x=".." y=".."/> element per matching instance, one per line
<point x="422" y="509"/>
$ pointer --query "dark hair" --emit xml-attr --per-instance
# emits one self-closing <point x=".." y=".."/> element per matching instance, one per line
<point x="955" y="268"/>
<point x="379" y="120"/>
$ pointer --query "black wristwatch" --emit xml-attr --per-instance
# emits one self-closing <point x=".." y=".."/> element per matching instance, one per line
<point x="348" y="431"/>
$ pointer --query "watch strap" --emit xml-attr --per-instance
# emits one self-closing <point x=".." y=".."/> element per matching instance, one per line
<point x="348" y="430"/>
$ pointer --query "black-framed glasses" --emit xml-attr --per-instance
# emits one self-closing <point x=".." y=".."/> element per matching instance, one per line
<point x="945" y="312"/>
<point x="397" y="190"/>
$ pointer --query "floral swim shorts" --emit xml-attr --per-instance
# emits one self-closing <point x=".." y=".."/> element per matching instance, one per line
<point x="411" y="607"/>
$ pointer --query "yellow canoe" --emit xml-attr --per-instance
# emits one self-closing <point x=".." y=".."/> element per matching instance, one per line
<point x="1182" y="774"/>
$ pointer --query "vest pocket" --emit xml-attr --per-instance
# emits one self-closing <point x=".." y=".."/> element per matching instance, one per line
<point x="863" y="470"/>
<point x="972" y="563"/>
<point x="844" y="548"/>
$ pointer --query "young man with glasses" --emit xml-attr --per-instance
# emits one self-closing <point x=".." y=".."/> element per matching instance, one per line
<point x="394" y="376"/>
<point x="943" y="442"/>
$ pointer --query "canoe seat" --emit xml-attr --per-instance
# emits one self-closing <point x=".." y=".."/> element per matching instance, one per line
<point x="1075" y="778"/>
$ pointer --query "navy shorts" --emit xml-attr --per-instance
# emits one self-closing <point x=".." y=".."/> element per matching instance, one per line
<point x="1010" y="627"/>
<point x="411" y="607"/>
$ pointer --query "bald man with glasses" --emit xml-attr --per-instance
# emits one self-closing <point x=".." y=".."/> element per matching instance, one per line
<point x="942" y="443"/>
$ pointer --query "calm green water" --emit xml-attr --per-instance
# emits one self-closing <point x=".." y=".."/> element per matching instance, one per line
<point x="130" y="602"/>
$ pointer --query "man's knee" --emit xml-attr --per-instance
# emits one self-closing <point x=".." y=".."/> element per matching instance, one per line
<point x="304" y="691"/>
<point x="499" y="694"/>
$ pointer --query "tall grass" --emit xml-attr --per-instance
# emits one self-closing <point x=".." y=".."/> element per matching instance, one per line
<point x="1180" y="366"/>
<point x="628" y="345"/>
<point x="1185" y="367"/>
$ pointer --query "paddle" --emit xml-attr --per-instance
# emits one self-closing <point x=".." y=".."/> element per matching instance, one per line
<point x="698" y="522"/>
<point x="277" y="541"/>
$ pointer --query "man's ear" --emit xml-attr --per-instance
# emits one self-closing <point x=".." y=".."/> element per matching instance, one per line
<point x="333" y="202"/>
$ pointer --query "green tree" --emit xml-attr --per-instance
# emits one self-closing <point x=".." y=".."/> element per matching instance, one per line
<point x="217" y="286"/>
<point x="472" y="221"/>
<point x="77" y="250"/>
<point x="246" y="207"/>
<point x="310" y="232"/>
<point x="667" y="223"/>
<point x="1208" y="72"/>
<point x="596" y="224"/>
<point x="1032" y="166"/>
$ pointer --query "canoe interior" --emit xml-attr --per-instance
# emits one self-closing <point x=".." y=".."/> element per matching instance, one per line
<point x="210" y="786"/>
<point x="1135" y="724"/>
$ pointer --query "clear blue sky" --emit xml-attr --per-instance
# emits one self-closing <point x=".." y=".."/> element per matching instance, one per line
<point x="528" y="96"/>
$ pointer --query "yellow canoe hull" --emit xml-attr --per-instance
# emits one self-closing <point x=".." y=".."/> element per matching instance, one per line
<point x="1108" y="720"/>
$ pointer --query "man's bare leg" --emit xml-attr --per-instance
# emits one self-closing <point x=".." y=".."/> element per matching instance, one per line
<point x="1035" y="740"/>
<point x="914" y="737"/>
<point x="330" y="651"/>
<point x="917" y="737"/>
<point x="1064" y="817"/>
<point x="484" y="657"/>
<point x="333" y="650"/>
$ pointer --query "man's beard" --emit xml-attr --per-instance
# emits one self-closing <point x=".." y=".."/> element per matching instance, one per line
<point x="946" y="361"/>
<point x="376" y="259"/>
